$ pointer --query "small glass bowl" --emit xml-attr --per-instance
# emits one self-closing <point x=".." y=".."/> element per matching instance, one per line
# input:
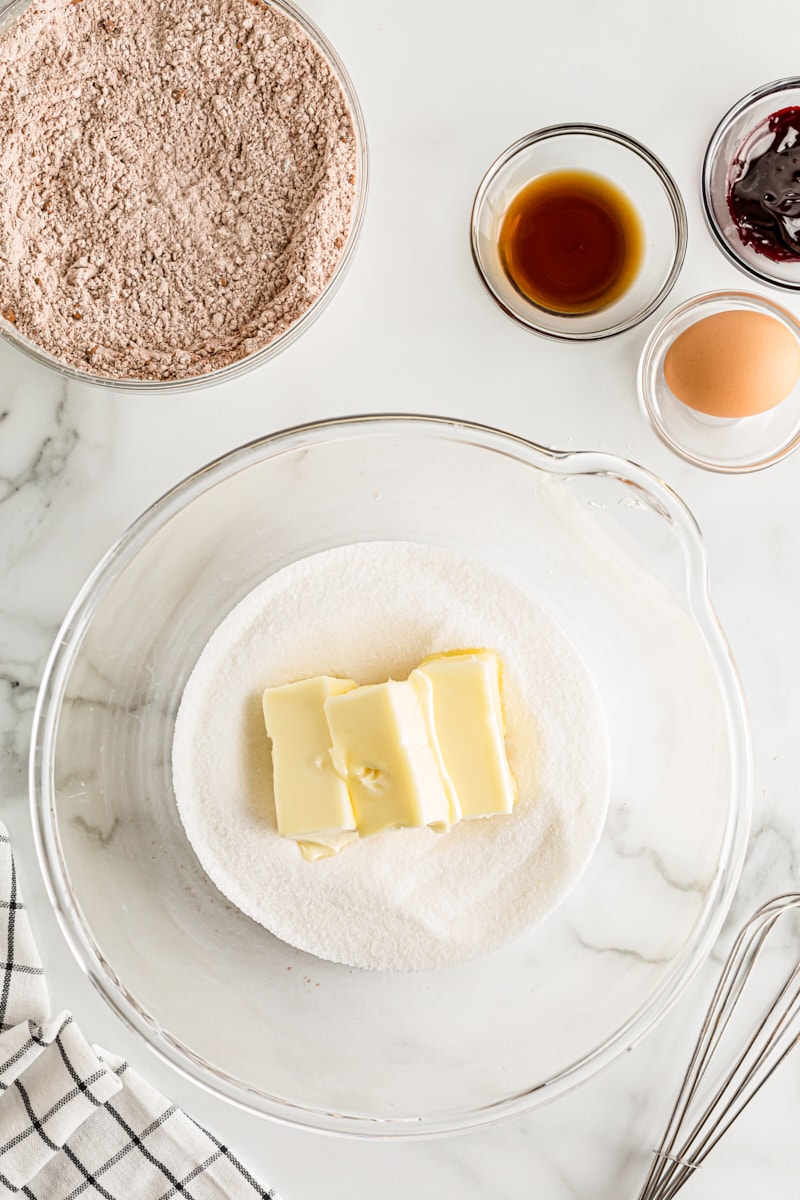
<point x="620" y="159"/>
<point x="10" y="10"/>
<point x="731" y="445"/>
<point x="738" y="134"/>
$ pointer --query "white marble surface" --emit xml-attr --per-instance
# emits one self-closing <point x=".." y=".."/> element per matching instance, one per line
<point x="444" y="88"/>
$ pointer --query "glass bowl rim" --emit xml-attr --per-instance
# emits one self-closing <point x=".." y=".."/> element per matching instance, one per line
<point x="671" y="191"/>
<point x="723" y="125"/>
<point x="243" y="365"/>
<point x="762" y="304"/>
<point x="653" y="492"/>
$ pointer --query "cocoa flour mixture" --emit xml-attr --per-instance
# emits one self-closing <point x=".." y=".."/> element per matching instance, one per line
<point x="176" y="181"/>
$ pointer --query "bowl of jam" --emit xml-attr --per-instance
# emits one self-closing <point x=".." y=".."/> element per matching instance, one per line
<point x="751" y="184"/>
<point x="578" y="231"/>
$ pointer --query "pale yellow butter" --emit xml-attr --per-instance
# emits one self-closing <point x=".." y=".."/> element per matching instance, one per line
<point x="311" y="801"/>
<point x="328" y="846"/>
<point x="381" y="750"/>
<point x="424" y="691"/>
<point x="461" y="695"/>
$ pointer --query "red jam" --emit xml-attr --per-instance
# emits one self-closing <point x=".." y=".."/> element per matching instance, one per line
<point x="764" y="200"/>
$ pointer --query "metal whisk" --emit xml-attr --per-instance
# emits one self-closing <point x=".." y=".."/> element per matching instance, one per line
<point x="708" y="1103"/>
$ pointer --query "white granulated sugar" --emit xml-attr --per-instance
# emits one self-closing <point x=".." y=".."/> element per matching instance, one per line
<point x="411" y="899"/>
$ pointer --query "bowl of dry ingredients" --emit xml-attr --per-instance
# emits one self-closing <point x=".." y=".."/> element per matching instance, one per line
<point x="181" y="188"/>
<point x="416" y="981"/>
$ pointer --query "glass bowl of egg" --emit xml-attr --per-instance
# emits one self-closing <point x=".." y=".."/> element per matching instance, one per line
<point x="449" y="972"/>
<point x="578" y="232"/>
<point x="719" y="379"/>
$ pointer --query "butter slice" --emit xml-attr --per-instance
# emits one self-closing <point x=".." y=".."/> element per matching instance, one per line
<point x="326" y="847"/>
<point x="463" y="694"/>
<point x="311" y="800"/>
<point x="381" y="750"/>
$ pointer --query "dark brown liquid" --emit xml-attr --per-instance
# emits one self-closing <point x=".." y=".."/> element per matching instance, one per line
<point x="571" y="242"/>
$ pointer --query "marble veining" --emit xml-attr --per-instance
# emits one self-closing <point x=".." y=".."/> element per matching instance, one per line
<point x="616" y="830"/>
<point x="624" y="952"/>
<point x="101" y="836"/>
<point x="42" y="457"/>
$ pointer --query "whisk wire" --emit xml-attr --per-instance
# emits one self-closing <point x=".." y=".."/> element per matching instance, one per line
<point x="711" y="1031"/>
<point x="781" y="1042"/>
<point x="681" y="1153"/>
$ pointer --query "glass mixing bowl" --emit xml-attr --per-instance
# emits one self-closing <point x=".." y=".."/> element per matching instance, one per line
<point x="10" y="10"/>
<point x="616" y="559"/>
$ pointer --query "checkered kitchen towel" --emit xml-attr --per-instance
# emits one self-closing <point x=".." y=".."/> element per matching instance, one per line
<point x="74" y="1120"/>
